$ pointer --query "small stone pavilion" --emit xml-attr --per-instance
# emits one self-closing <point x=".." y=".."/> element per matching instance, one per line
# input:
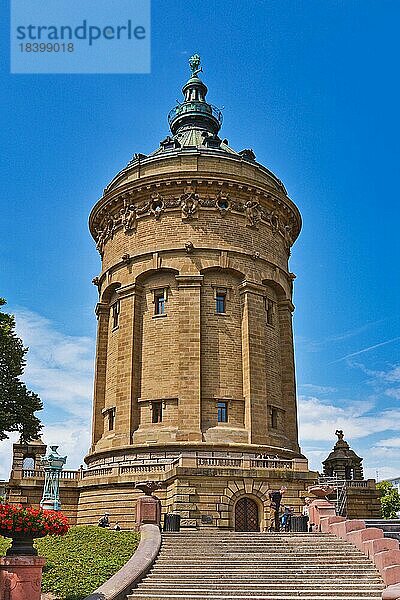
<point x="343" y="462"/>
<point x="194" y="379"/>
<point x="343" y="465"/>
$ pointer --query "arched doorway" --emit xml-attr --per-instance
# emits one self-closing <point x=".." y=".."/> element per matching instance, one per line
<point x="246" y="515"/>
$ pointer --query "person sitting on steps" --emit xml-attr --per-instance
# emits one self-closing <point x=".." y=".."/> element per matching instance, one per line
<point x="104" y="521"/>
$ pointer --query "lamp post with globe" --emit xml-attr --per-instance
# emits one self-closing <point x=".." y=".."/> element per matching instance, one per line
<point x="52" y="464"/>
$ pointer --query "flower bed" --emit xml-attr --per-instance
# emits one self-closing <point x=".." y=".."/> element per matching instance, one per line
<point x="32" y="522"/>
<point x="82" y="560"/>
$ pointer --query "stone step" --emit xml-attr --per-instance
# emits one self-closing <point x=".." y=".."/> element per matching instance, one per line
<point x="264" y="549"/>
<point x="259" y="542"/>
<point x="272" y="568"/>
<point x="242" y="534"/>
<point x="228" y="581"/>
<point x="245" y="576"/>
<point x="267" y="541"/>
<point x="283" y="544"/>
<point x="251" y="536"/>
<point x="266" y="572"/>
<point x="218" y="563"/>
<point x="241" y="566"/>
<point x="301" y="553"/>
<point x="304" y="585"/>
<point x="311" y="595"/>
<point x="268" y="575"/>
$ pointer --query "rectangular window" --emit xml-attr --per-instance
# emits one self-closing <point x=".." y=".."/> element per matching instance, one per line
<point x="156" y="408"/>
<point x="111" y="419"/>
<point x="274" y="418"/>
<point x="269" y="309"/>
<point x="220" y="301"/>
<point x="159" y="302"/>
<point x="115" y="314"/>
<point x="222" y="412"/>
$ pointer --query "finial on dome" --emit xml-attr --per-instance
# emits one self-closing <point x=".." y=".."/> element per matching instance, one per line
<point x="195" y="111"/>
<point x="194" y="63"/>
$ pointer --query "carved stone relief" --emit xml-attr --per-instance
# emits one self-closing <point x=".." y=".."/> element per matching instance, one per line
<point x="189" y="205"/>
<point x="253" y="214"/>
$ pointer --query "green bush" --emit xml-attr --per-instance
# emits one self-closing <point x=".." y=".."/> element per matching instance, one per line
<point x="77" y="563"/>
<point x="390" y="499"/>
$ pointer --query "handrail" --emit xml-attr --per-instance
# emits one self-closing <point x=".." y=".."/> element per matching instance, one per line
<point x="120" y="584"/>
<point x="196" y="107"/>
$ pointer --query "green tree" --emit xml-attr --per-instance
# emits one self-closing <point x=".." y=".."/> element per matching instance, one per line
<point x="17" y="403"/>
<point x="390" y="499"/>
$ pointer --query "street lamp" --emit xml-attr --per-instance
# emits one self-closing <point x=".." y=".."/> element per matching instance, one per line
<point x="52" y="464"/>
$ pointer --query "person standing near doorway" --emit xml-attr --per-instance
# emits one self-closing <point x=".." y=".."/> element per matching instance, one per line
<point x="276" y="499"/>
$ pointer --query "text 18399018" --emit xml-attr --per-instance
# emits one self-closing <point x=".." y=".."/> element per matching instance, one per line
<point x="46" y="47"/>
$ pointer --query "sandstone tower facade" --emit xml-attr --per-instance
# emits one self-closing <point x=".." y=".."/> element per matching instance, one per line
<point x="194" y="378"/>
<point x="195" y="345"/>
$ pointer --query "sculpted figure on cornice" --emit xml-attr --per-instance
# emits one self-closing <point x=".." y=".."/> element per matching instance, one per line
<point x="252" y="213"/>
<point x="110" y="228"/>
<point x="101" y="238"/>
<point x="273" y="220"/>
<point x="288" y="235"/>
<point x="119" y="219"/>
<point x="129" y="218"/>
<point x="189" y="204"/>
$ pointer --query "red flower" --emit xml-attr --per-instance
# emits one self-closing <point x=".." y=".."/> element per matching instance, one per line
<point x="32" y="520"/>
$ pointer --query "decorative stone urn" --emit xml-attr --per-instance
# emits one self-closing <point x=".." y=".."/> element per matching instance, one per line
<point x="22" y="543"/>
<point x="321" y="491"/>
<point x="320" y="507"/>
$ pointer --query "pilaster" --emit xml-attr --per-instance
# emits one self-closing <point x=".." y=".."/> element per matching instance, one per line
<point x="285" y="310"/>
<point x="102" y="312"/>
<point x="128" y="360"/>
<point x="189" y="408"/>
<point x="254" y="367"/>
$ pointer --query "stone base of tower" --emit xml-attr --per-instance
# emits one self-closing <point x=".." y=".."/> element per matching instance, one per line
<point x="208" y="488"/>
<point x="204" y="487"/>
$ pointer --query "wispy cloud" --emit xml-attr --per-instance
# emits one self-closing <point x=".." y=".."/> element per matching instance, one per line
<point x="316" y="345"/>
<point x="361" y="422"/>
<point x="72" y="437"/>
<point x="318" y="420"/>
<point x="318" y="389"/>
<point x="60" y="369"/>
<point x="393" y="442"/>
<point x="379" y="379"/>
<point x="363" y="350"/>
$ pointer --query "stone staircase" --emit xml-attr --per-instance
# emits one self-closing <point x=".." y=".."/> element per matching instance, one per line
<point x="391" y="527"/>
<point x="267" y="566"/>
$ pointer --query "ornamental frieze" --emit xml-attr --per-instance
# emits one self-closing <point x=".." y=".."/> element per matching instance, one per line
<point x="115" y="217"/>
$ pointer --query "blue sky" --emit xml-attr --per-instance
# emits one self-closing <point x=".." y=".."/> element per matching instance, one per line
<point x="313" y="88"/>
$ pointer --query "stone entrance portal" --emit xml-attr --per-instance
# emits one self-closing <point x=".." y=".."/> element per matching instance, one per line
<point x="246" y="515"/>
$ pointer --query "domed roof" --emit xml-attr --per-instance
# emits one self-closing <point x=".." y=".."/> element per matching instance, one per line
<point x="195" y="125"/>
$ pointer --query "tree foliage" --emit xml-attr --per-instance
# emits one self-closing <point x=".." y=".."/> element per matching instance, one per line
<point x="17" y="403"/>
<point x="390" y="499"/>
